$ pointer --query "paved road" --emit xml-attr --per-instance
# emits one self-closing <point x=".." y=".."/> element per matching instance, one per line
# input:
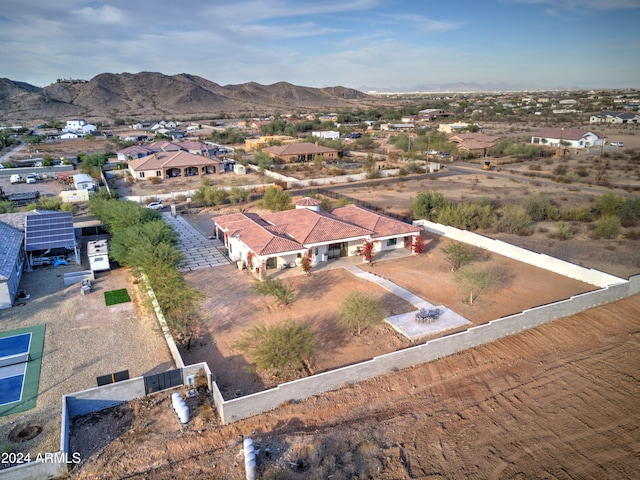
<point x="199" y="251"/>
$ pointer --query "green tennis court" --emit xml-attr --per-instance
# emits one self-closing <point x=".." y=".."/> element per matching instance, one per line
<point x="20" y="364"/>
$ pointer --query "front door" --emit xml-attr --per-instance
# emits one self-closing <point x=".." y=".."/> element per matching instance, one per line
<point x="337" y="250"/>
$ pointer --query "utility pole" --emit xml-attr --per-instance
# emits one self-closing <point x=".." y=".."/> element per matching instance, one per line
<point x="599" y="172"/>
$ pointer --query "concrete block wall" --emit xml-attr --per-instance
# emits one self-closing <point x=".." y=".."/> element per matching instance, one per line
<point x="99" y="398"/>
<point x="237" y="409"/>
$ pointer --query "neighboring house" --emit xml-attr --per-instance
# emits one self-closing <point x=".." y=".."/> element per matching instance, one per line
<point x="133" y="152"/>
<point x="89" y="128"/>
<point x="12" y="260"/>
<point x="569" y="137"/>
<point x="476" y="143"/>
<point x="278" y="239"/>
<point x="196" y="148"/>
<point x="301" y="152"/>
<point x="615" y="118"/>
<point x="264" y="141"/>
<point x="69" y="136"/>
<point x="74" y="125"/>
<point x="397" y="126"/>
<point x="174" y="164"/>
<point x="328" y="135"/>
<point x="452" y="127"/>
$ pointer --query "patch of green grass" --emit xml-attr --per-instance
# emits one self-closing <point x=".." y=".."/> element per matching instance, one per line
<point x="114" y="297"/>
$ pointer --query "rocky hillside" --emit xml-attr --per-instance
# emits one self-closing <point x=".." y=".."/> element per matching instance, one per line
<point x="152" y="95"/>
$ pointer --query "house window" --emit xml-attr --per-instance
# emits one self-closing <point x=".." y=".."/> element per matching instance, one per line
<point x="316" y="252"/>
<point x="158" y="173"/>
<point x="391" y="242"/>
<point x="141" y="174"/>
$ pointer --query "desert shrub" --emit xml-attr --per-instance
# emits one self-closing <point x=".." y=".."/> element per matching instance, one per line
<point x="582" y="172"/>
<point x="514" y="219"/>
<point x="7" y="207"/>
<point x="47" y="203"/>
<point x="467" y="216"/>
<point x="276" y="288"/>
<point x="427" y="205"/>
<point x="562" y="231"/>
<point x="459" y="254"/>
<point x="607" y="226"/>
<point x="154" y="180"/>
<point x="577" y="214"/>
<point x="560" y="170"/>
<point x="239" y="195"/>
<point x="541" y="208"/>
<point x="282" y="347"/>
<point x="630" y="211"/>
<point x="342" y="201"/>
<point x="608" y="204"/>
<point x="632" y="234"/>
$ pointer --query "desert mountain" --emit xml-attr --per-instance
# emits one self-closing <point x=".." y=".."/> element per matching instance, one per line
<point x="151" y="95"/>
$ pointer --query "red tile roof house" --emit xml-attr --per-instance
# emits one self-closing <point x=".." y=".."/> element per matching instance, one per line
<point x="301" y="152"/>
<point x="476" y="143"/>
<point x="139" y="151"/>
<point x="279" y="239"/>
<point x="174" y="164"/>
<point x="570" y="137"/>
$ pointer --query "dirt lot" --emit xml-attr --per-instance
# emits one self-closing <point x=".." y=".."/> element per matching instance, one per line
<point x="558" y="401"/>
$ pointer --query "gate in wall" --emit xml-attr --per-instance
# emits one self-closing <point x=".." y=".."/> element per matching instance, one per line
<point x="162" y="381"/>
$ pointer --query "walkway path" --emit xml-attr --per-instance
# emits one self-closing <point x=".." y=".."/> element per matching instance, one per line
<point x="198" y="250"/>
<point x="406" y="323"/>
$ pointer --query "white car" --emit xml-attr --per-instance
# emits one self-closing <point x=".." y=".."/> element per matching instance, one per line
<point x="617" y="144"/>
<point x="31" y="178"/>
<point x="433" y="152"/>
<point x="155" y="206"/>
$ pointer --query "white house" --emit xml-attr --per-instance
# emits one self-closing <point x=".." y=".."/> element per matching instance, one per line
<point x="327" y="135"/>
<point x="615" y="118"/>
<point x="569" y="137"/>
<point x="74" y="125"/>
<point x="69" y="136"/>
<point x="278" y="239"/>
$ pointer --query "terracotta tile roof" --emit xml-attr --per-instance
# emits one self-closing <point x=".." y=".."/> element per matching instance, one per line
<point x="382" y="225"/>
<point x="164" y="146"/>
<point x="294" y="230"/>
<point x="171" y="159"/>
<point x="566" y="134"/>
<point x="304" y="148"/>
<point x="308" y="226"/>
<point x="136" y="150"/>
<point x="257" y="234"/>
<point x="474" y="141"/>
<point x="307" y="202"/>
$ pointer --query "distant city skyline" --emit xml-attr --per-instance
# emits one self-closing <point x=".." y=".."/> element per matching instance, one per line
<point x="363" y="44"/>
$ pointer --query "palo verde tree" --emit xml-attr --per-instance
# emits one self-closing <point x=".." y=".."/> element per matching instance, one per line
<point x="459" y="254"/>
<point x="281" y="348"/>
<point x="358" y="311"/>
<point x="428" y="205"/>
<point x="276" y="199"/>
<point x="476" y="281"/>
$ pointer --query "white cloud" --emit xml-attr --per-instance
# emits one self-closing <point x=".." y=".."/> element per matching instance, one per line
<point x="102" y="14"/>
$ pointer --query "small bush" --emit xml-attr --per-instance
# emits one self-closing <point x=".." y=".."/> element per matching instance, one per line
<point x="562" y="231"/>
<point x="578" y="214"/>
<point x="607" y="226"/>
<point x="154" y="180"/>
<point x="514" y="219"/>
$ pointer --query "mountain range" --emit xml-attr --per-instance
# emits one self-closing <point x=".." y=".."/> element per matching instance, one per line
<point x="150" y="95"/>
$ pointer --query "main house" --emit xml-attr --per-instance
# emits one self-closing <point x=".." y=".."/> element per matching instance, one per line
<point x="301" y="152"/>
<point x="280" y="239"/>
<point x="139" y="151"/>
<point x="569" y="137"/>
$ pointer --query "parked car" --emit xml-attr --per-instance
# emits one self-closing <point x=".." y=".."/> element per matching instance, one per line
<point x="16" y="178"/>
<point x="31" y="178"/>
<point x="432" y="152"/>
<point x="155" y="206"/>
<point x="617" y="144"/>
<point x="445" y="155"/>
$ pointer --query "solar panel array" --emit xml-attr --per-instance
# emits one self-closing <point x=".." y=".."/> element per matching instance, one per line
<point x="49" y="230"/>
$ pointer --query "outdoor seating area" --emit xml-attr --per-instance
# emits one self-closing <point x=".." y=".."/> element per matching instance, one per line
<point x="428" y="316"/>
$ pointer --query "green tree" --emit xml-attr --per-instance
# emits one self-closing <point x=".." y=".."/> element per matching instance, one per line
<point x="541" y="207"/>
<point x="360" y="310"/>
<point x="459" y="254"/>
<point x="476" y="281"/>
<point x="514" y="219"/>
<point x="263" y="160"/>
<point x="428" y="205"/>
<point x="276" y="200"/>
<point x="607" y="226"/>
<point x="282" y="347"/>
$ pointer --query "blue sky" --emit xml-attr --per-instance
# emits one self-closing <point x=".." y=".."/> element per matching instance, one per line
<point x="354" y="43"/>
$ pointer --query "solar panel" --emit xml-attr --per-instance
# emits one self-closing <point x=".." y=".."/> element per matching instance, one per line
<point x="49" y="230"/>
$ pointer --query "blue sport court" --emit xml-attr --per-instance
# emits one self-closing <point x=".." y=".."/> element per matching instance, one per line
<point x="20" y="363"/>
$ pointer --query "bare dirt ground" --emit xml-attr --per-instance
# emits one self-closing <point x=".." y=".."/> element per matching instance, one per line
<point x="558" y="401"/>
<point x="231" y="308"/>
